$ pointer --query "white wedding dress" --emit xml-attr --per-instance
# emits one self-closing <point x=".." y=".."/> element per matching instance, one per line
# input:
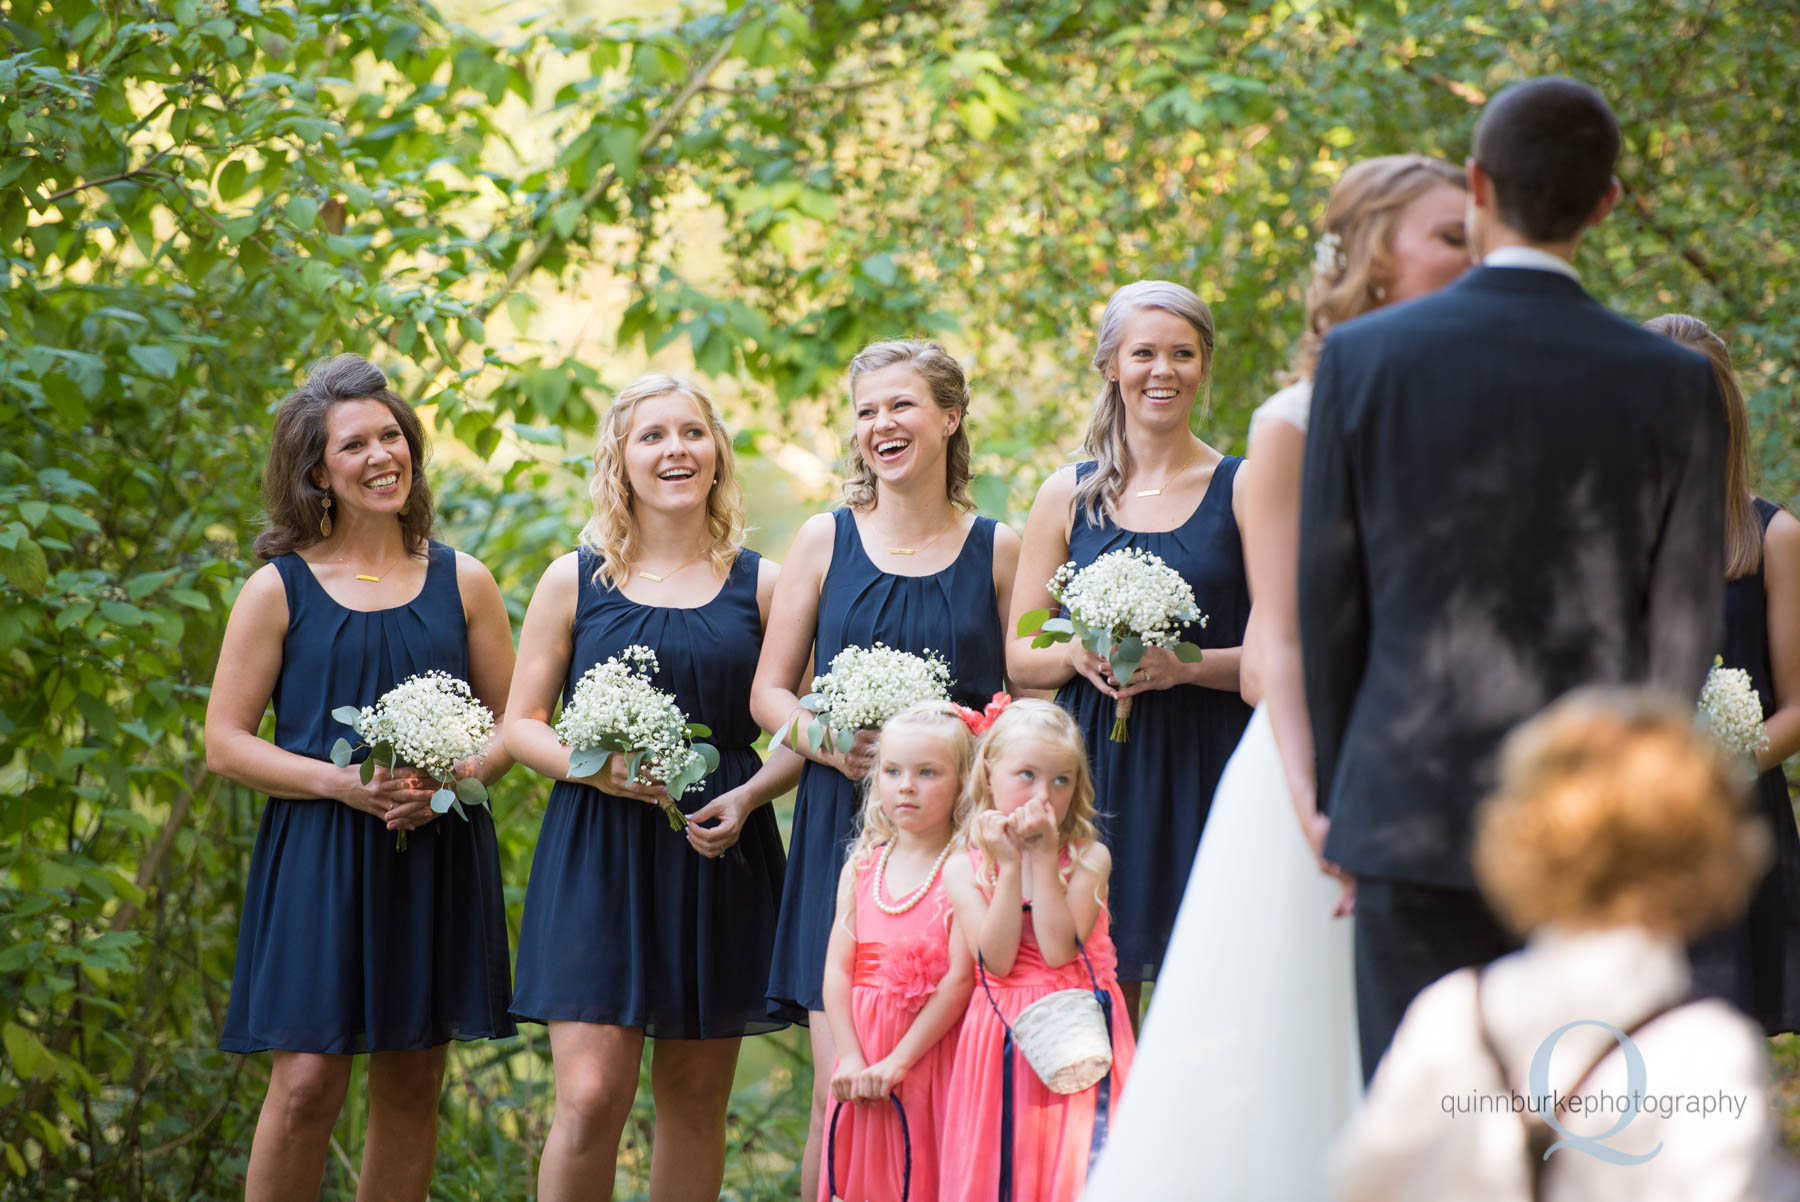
<point x="1248" y="1065"/>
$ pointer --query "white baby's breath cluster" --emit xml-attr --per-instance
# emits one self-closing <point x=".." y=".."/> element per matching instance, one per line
<point x="1731" y="711"/>
<point x="616" y="708"/>
<point x="868" y="685"/>
<point x="1128" y="592"/>
<point x="431" y="721"/>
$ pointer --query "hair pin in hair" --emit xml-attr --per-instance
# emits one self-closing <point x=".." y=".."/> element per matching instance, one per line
<point x="979" y="721"/>
<point x="1328" y="255"/>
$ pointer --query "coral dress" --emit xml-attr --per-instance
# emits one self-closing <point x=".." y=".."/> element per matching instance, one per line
<point x="1052" y="1132"/>
<point x="900" y="958"/>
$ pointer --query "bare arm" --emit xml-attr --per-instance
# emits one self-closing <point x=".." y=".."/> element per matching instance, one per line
<point x="1044" y="549"/>
<point x="947" y="1004"/>
<point x="491" y="658"/>
<point x="840" y="961"/>
<point x="1059" y="915"/>
<point x="250" y="659"/>
<point x="1781" y="588"/>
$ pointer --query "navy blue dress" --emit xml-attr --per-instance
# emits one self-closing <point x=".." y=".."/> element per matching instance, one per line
<point x="1755" y="962"/>
<point x="625" y="923"/>
<point x="953" y="612"/>
<point x="347" y="945"/>
<point x="1153" y="791"/>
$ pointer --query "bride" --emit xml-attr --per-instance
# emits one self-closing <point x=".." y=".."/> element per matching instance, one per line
<point x="1248" y="1064"/>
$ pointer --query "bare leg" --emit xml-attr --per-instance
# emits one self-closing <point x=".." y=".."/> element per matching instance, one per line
<point x="691" y="1081"/>
<point x="824" y="1052"/>
<point x="287" y="1154"/>
<point x="596" y="1079"/>
<point x="403" y="1124"/>
<point x="1134" y="994"/>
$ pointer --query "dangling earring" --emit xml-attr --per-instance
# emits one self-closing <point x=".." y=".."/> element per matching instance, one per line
<point x="325" y="520"/>
<point x="1379" y="291"/>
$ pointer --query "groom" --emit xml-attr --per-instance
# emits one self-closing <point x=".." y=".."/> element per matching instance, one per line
<point x="1509" y="492"/>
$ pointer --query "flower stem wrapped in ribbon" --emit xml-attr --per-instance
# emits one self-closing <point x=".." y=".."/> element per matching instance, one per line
<point x="864" y="688"/>
<point x="1119" y="606"/>
<point x="1731" y="711"/>
<point x="616" y="710"/>
<point x="430" y="723"/>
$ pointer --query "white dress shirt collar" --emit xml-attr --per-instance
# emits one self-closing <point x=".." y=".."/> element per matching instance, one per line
<point x="1530" y="257"/>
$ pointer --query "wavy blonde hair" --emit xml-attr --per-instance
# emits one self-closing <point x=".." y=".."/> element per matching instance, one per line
<point x="1031" y="718"/>
<point x="1105" y="439"/>
<point x="940" y="720"/>
<point x="1743" y="530"/>
<point x="949" y="389"/>
<point x="611" y="530"/>
<point x="1613" y="808"/>
<point x="1361" y="212"/>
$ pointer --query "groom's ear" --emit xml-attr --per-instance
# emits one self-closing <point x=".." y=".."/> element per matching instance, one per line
<point x="1614" y="191"/>
<point x="1481" y="184"/>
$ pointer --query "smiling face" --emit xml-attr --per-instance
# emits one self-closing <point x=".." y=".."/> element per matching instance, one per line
<point x="1431" y="246"/>
<point x="1029" y="768"/>
<point x="1158" y="367"/>
<point x="670" y="457"/>
<point x="900" y="430"/>
<point x="368" y="464"/>
<point x="917" y="779"/>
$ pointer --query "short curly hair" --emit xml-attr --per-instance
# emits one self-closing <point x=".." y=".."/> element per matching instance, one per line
<point x="1615" y="809"/>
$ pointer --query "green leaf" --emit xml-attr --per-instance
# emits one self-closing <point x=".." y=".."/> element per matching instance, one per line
<point x="365" y="770"/>
<point x="302" y="211"/>
<point x="844" y="740"/>
<point x="156" y="361"/>
<point x="121" y="614"/>
<point x="25" y="567"/>
<point x="472" y="791"/>
<point x="440" y="801"/>
<point x="815" y="703"/>
<point x="33" y="512"/>
<point x="620" y="145"/>
<point x="709" y="757"/>
<point x="231" y="180"/>
<point x="697" y="730"/>
<point x="587" y="762"/>
<point x="349" y="715"/>
<point x="26" y="1052"/>
<point x="340" y="754"/>
<point x="1032" y="620"/>
<point x="1188" y="653"/>
<point x="881" y="268"/>
<point x="815" y="734"/>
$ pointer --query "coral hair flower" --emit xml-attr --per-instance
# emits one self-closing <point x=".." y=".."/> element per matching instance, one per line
<point x="979" y="722"/>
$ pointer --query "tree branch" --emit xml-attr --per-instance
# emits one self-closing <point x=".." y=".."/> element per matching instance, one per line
<point x="134" y="173"/>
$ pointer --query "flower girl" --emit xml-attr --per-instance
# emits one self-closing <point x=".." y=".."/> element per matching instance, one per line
<point x="1030" y="896"/>
<point x="896" y="981"/>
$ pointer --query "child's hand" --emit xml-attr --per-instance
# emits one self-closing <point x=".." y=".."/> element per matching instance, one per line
<point x="1034" y="826"/>
<point x="996" y="832"/>
<point x="850" y="1068"/>
<point x="879" y="1080"/>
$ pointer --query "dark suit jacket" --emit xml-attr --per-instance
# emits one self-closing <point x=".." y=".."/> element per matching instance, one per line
<point x="1510" y="491"/>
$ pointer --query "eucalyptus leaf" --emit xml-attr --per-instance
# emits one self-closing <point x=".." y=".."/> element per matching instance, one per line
<point x="472" y="791"/>
<point x="340" y="753"/>
<point x="441" y="801"/>
<point x="1032" y="620"/>
<point x="366" y="770"/>
<point x="815" y="703"/>
<point x="815" y="734"/>
<point x="844" y="740"/>
<point x="347" y="714"/>
<point x="632" y="760"/>
<point x="709" y="757"/>
<point x="1188" y="653"/>
<point x="697" y="730"/>
<point x="1059" y="626"/>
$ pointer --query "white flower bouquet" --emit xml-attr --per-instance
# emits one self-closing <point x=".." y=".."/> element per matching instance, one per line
<point x="430" y="723"/>
<point x="1731" y="711"/>
<point x="615" y="710"/>
<point x="863" y="689"/>
<point x="1119" y="606"/>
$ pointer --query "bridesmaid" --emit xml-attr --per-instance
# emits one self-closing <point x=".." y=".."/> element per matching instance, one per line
<point x="1755" y="963"/>
<point x="1148" y="483"/>
<point x="347" y="945"/>
<point x="905" y="562"/>
<point x="628" y="932"/>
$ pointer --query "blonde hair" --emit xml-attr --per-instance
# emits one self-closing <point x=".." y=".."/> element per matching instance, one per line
<point x="1031" y="718"/>
<point x="940" y="720"/>
<point x="1743" y="530"/>
<point x="949" y="388"/>
<point x="1360" y="214"/>
<point x="1105" y="439"/>
<point x="1613" y="809"/>
<point x="612" y="530"/>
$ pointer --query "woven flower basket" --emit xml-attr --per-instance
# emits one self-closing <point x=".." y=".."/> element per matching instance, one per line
<point x="1063" y="1037"/>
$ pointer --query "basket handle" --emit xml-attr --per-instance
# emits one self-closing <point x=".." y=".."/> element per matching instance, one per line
<point x="905" y="1142"/>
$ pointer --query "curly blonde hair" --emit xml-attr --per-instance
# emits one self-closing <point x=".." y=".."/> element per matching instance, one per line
<point x="1031" y="718"/>
<point x="940" y="720"/>
<point x="611" y="530"/>
<point x="949" y="388"/>
<point x="1360" y="214"/>
<point x="1613" y="808"/>
<point x="1104" y="442"/>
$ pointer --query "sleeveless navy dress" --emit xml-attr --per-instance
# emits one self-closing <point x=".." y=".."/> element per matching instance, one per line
<point x="953" y="612"/>
<point x="625" y="923"/>
<point x="1755" y="962"/>
<point x="347" y="945"/>
<point x="1153" y="792"/>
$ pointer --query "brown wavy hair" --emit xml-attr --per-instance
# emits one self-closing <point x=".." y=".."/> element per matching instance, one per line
<point x="612" y="530"/>
<point x="949" y="388"/>
<point x="293" y="503"/>
<point x="1743" y="529"/>
<point x="1105" y="440"/>
<point x="1361" y="212"/>
<point x="1613" y="808"/>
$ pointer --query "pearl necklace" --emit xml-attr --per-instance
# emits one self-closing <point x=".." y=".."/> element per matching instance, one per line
<point x="917" y="895"/>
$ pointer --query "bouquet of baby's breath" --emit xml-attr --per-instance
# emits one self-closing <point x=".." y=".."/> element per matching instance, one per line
<point x="615" y="710"/>
<point x="864" y="688"/>
<point x="1119" y="606"/>
<point x="1731" y="711"/>
<point x="430" y="723"/>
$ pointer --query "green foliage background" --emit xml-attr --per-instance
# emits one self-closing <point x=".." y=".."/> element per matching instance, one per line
<point x="516" y="213"/>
